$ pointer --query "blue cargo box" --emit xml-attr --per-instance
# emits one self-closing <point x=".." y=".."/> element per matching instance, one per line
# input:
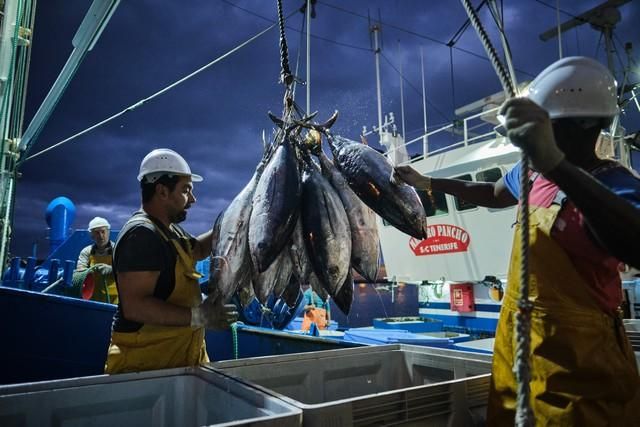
<point x="411" y="324"/>
<point x="393" y="336"/>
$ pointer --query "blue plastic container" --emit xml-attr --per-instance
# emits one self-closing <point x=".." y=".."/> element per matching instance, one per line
<point x="411" y="324"/>
<point x="394" y="336"/>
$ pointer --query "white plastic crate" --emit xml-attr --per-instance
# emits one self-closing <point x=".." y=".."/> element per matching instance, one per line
<point x="173" y="397"/>
<point x="377" y="385"/>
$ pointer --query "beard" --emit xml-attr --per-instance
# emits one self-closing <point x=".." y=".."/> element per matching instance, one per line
<point x="179" y="216"/>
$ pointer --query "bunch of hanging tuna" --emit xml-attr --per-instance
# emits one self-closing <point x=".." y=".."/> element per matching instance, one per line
<point x="306" y="219"/>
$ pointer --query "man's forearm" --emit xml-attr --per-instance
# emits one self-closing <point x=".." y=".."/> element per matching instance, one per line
<point x="478" y="193"/>
<point x="153" y="311"/>
<point x="203" y="245"/>
<point x="613" y="221"/>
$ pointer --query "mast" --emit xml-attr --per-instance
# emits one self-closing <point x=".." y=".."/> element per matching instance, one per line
<point x="15" y="40"/>
<point x="404" y="135"/>
<point x="425" y="138"/>
<point x="308" y="56"/>
<point x="375" y="29"/>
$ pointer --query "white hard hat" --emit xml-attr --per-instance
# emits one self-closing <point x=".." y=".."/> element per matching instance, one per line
<point x="575" y="86"/>
<point x="163" y="161"/>
<point x="98" y="222"/>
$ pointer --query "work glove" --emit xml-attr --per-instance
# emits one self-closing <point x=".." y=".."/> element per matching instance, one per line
<point x="411" y="176"/>
<point x="104" y="269"/>
<point x="528" y="127"/>
<point x="213" y="315"/>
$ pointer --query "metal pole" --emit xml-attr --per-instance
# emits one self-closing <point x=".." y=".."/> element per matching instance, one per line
<point x="425" y="138"/>
<point x="505" y="47"/>
<point x="609" y="46"/>
<point x="375" y="28"/>
<point x="404" y="135"/>
<point x="559" y="30"/>
<point x="308" y="56"/>
<point x="13" y="10"/>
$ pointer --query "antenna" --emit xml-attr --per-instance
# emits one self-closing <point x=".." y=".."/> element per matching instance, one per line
<point x="603" y="18"/>
<point x="375" y="29"/>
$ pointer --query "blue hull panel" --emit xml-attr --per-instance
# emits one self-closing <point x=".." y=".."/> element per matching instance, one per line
<point x="46" y="337"/>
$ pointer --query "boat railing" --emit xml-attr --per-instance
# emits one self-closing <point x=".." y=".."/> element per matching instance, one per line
<point x="472" y="129"/>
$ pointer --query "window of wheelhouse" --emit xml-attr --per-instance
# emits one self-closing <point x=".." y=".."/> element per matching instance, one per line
<point x="462" y="205"/>
<point x="433" y="202"/>
<point x="489" y="175"/>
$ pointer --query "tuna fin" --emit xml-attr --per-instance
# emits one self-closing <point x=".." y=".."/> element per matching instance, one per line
<point x="344" y="297"/>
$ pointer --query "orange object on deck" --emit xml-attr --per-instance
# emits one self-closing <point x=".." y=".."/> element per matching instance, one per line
<point x="317" y="316"/>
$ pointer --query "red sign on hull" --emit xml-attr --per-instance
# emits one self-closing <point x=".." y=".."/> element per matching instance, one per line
<point x="441" y="239"/>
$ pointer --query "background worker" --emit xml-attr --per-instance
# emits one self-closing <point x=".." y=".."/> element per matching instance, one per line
<point x="316" y="310"/>
<point x="161" y="318"/>
<point x="96" y="259"/>
<point x="584" y="220"/>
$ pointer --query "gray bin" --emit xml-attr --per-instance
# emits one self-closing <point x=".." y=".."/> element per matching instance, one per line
<point x="172" y="397"/>
<point x="376" y="385"/>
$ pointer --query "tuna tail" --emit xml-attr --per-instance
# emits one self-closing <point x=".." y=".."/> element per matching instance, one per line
<point x="291" y="292"/>
<point x="344" y="297"/>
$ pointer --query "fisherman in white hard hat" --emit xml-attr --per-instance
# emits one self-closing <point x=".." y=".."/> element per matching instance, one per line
<point x="98" y="259"/>
<point x="161" y="318"/>
<point x="584" y="221"/>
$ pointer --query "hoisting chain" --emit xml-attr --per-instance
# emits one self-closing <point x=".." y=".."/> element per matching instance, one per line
<point x="524" y="415"/>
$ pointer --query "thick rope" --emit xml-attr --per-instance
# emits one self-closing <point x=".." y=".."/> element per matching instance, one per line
<point x="285" y="74"/>
<point x="524" y="415"/>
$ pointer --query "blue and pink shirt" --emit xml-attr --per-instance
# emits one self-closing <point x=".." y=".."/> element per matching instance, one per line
<point x="597" y="267"/>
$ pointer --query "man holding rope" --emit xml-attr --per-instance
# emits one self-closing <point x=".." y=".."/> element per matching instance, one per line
<point x="584" y="220"/>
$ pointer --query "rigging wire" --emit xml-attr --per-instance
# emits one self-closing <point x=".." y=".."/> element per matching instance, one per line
<point x="157" y="94"/>
<point x="339" y="43"/>
<point x="416" y="34"/>
<point x="413" y="87"/>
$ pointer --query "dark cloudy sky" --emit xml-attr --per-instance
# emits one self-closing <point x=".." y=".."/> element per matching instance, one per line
<point x="216" y="119"/>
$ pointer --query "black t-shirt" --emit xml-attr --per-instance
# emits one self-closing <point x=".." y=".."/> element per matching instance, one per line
<point x="141" y="248"/>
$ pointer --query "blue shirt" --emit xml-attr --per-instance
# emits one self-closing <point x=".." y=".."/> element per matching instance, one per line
<point x="616" y="178"/>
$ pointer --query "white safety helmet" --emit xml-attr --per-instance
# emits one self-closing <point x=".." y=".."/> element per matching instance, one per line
<point x="98" y="222"/>
<point x="575" y="86"/>
<point x="163" y="161"/>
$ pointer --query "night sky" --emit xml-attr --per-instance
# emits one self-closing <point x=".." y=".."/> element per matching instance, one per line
<point x="215" y="120"/>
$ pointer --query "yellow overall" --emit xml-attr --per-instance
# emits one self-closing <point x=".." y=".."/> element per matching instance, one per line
<point x="583" y="369"/>
<point x="105" y="286"/>
<point x="160" y="347"/>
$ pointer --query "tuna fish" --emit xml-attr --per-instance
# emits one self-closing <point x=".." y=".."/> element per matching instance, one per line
<point x="368" y="174"/>
<point x="275" y="207"/>
<point x="232" y="266"/>
<point x="365" y="243"/>
<point x="300" y="259"/>
<point x="326" y="229"/>
<point x="279" y="271"/>
<point x="344" y="298"/>
<point x="291" y="293"/>
<point x="318" y="287"/>
<point x="212" y="288"/>
<point x="245" y="292"/>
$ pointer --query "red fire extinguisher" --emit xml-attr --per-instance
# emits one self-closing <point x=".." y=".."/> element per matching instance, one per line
<point x="461" y="295"/>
